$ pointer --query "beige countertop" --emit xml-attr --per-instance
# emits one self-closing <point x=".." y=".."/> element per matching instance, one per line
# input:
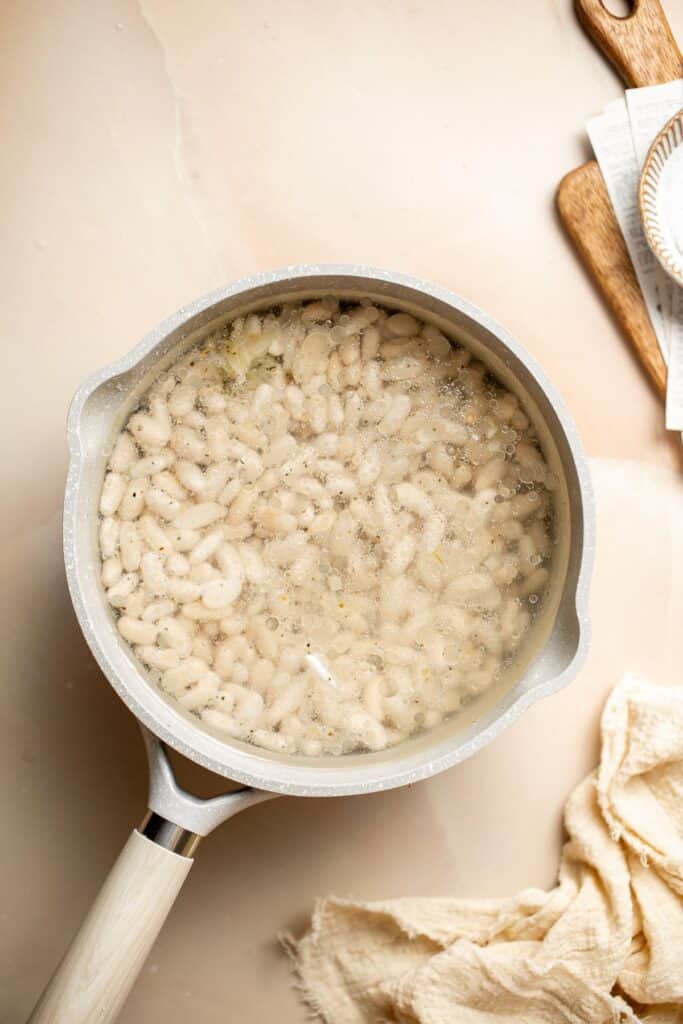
<point x="153" y="151"/>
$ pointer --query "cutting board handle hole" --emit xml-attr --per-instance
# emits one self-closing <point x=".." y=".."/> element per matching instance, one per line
<point x="619" y="8"/>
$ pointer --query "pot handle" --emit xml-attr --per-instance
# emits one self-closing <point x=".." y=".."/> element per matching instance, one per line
<point x="99" y="969"/>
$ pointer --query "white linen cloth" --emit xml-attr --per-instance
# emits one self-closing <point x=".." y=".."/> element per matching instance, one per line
<point x="605" y="945"/>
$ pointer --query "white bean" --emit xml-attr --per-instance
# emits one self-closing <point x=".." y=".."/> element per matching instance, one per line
<point x="131" y="547"/>
<point x="161" y="504"/>
<point x="175" y="633"/>
<point x="190" y="476"/>
<point x="206" y="548"/>
<point x="113" y="489"/>
<point x="109" y="536"/>
<point x="124" y="454"/>
<point x="118" y="594"/>
<point x="135" y="631"/>
<point x="200" y="515"/>
<point x="402" y="325"/>
<point x="152" y="464"/>
<point x="149" y="433"/>
<point x="158" y="657"/>
<point x="158" y="610"/>
<point x="153" y="535"/>
<point x="183" y="591"/>
<point x="395" y="416"/>
<point x="153" y="575"/>
<point x="111" y="571"/>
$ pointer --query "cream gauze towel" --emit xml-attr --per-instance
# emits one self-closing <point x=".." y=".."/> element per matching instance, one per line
<point x="606" y="944"/>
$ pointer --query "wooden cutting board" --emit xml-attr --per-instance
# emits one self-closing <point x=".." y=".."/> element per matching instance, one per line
<point x="644" y="52"/>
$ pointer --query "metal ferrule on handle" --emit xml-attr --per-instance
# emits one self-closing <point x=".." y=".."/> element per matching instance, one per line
<point x="169" y="835"/>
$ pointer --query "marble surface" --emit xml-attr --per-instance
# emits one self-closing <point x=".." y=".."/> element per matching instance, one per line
<point x="153" y="151"/>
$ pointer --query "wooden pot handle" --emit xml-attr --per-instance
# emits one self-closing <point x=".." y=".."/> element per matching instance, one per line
<point x="104" y="959"/>
<point x="640" y="46"/>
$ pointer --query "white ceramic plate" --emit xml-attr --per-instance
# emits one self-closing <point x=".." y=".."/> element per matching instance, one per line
<point x="660" y="197"/>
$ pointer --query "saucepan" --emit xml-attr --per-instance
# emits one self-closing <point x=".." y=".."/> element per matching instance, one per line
<point x="102" y="963"/>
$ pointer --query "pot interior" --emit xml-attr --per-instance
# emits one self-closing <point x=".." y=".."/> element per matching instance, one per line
<point x="542" y="665"/>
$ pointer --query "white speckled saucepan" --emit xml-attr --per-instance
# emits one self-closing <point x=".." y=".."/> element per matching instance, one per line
<point x="100" y="967"/>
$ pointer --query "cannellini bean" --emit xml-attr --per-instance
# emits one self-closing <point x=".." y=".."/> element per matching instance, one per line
<point x="370" y="344"/>
<point x="216" y="478"/>
<point x="230" y="492"/>
<point x="216" y="595"/>
<point x="152" y="464"/>
<point x="161" y="504"/>
<point x="201" y="692"/>
<point x="349" y="351"/>
<point x="414" y="499"/>
<point x="111" y="571"/>
<point x="191" y="670"/>
<point x="202" y="647"/>
<point x="240" y="673"/>
<point x="203" y="572"/>
<point x="131" y="546"/>
<point x="402" y="325"/>
<point x="246" y="705"/>
<point x="341" y="485"/>
<point x="230" y="565"/>
<point x="432" y="532"/>
<point x="190" y="476"/>
<point x="135" y="631"/>
<point x="135" y="603"/>
<point x="437" y="343"/>
<point x="183" y="540"/>
<point x="153" y="575"/>
<point x="287" y="702"/>
<point x="266" y="642"/>
<point x="275" y="521"/>
<point x="169" y="484"/>
<point x="350" y="375"/>
<point x="401" y="554"/>
<point x="182" y="400"/>
<point x="118" y="594"/>
<point x="404" y="368"/>
<point x="113" y="489"/>
<point x="124" y="454"/>
<point x="311" y="356"/>
<point x="395" y="416"/>
<point x="158" y="610"/>
<point x="206" y="548"/>
<point x="369" y="732"/>
<point x="370" y="467"/>
<point x="176" y="634"/>
<point x="280" y="451"/>
<point x="371" y="379"/>
<point x="334" y="371"/>
<point x="177" y="564"/>
<point x="317" y="413"/>
<point x="254" y="568"/>
<point x="384" y="513"/>
<point x="188" y="445"/>
<point x="158" y="657"/>
<point x="109" y="536"/>
<point x="488" y="474"/>
<point x="148" y="432"/>
<point x="200" y="515"/>
<point x="153" y="535"/>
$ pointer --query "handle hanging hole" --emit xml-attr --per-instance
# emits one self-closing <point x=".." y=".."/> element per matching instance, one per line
<point x="620" y="9"/>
